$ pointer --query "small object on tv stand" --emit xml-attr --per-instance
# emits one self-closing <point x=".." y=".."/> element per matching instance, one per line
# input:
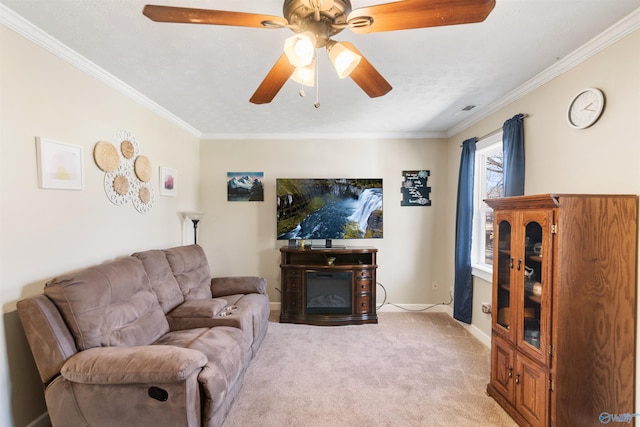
<point x="328" y="244"/>
<point x="293" y="243"/>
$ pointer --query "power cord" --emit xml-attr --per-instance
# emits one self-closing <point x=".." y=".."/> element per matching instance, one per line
<point x="384" y="302"/>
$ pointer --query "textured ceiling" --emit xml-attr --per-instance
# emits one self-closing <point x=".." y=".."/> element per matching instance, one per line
<point x="205" y="75"/>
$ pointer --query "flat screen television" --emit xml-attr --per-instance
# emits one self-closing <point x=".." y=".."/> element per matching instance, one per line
<point x="327" y="209"/>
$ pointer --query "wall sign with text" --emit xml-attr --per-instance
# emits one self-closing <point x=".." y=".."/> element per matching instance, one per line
<point x="415" y="191"/>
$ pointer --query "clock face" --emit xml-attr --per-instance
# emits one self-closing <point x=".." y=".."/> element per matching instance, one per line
<point x="586" y="108"/>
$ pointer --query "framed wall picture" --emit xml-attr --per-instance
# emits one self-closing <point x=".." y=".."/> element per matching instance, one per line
<point x="245" y="186"/>
<point x="168" y="181"/>
<point x="415" y="189"/>
<point x="60" y="166"/>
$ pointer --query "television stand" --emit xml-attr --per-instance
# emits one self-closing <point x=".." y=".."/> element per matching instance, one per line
<point x="328" y="286"/>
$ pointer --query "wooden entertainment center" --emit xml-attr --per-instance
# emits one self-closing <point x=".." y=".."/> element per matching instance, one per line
<point x="328" y="286"/>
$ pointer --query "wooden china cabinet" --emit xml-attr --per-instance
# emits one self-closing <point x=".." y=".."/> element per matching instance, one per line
<point x="564" y="301"/>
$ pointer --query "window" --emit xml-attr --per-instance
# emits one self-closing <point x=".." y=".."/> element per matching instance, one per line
<point x="488" y="184"/>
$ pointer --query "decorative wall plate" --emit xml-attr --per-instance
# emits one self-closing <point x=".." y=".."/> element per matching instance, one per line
<point x="106" y="156"/>
<point x="143" y="196"/>
<point x="142" y="168"/>
<point x="118" y="185"/>
<point x="128" y="147"/>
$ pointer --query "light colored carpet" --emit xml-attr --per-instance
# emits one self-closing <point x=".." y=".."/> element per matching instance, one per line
<point x="411" y="369"/>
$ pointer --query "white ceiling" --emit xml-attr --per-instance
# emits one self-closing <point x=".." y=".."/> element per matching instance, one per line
<point x="204" y="75"/>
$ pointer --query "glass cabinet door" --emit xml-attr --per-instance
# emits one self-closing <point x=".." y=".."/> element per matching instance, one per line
<point x="534" y="267"/>
<point x="503" y="270"/>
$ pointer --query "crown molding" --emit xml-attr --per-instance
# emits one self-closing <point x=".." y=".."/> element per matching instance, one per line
<point x="619" y="30"/>
<point x="323" y="136"/>
<point x="15" y="22"/>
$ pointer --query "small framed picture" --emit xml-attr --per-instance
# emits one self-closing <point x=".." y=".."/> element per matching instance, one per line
<point x="245" y="186"/>
<point x="60" y="166"/>
<point x="168" y="181"/>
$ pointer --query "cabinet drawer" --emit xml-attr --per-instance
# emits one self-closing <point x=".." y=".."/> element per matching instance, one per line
<point x="363" y="303"/>
<point x="293" y="285"/>
<point x="293" y="273"/>
<point x="363" y="274"/>
<point x="363" y="285"/>
<point x="292" y="303"/>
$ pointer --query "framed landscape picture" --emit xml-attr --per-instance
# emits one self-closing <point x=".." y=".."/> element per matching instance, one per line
<point x="245" y="186"/>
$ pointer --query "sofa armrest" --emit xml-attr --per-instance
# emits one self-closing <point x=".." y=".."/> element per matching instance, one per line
<point x="50" y="340"/>
<point x="221" y="286"/>
<point x="133" y="365"/>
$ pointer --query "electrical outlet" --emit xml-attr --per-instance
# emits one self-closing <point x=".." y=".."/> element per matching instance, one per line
<point x="486" y="307"/>
<point x="434" y="285"/>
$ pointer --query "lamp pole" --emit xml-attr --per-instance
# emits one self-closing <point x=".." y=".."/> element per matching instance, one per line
<point x="195" y="230"/>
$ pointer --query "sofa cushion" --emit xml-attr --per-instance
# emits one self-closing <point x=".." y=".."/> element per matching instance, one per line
<point x="221" y="286"/>
<point x="228" y="356"/>
<point x="191" y="270"/>
<point x="111" y="304"/>
<point x="199" y="308"/>
<point x="161" y="277"/>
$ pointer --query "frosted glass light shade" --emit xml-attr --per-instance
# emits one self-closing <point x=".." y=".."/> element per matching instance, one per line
<point x="300" y="48"/>
<point x="305" y="75"/>
<point x="343" y="59"/>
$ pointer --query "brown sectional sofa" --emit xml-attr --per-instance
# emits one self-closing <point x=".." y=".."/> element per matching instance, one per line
<point x="145" y="340"/>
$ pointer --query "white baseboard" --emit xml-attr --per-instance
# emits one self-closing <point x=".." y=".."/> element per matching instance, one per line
<point x="404" y="308"/>
<point x="439" y="308"/>
<point x="476" y="332"/>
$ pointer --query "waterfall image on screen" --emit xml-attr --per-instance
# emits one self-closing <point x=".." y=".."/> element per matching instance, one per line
<point x="345" y="208"/>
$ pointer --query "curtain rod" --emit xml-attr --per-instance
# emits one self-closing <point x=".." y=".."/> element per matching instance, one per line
<point x="493" y="132"/>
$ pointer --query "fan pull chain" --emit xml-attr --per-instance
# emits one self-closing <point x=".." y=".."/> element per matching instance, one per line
<point x="317" y="103"/>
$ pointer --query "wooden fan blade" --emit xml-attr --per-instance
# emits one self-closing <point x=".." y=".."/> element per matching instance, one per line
<point x="367" y="77"/>
<point x="213" y="17"/>
<point x="407" y="14"/>
<point x="274" y="81"/>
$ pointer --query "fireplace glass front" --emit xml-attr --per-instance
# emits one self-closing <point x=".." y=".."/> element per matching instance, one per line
<point x="329" y="293"/>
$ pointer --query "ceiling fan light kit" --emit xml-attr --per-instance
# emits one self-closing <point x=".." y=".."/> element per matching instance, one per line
<point x="343" y="59"/>
<point x="306" y="75"/>
<point x="300" y="48"/>
<point x="315" y="22"/>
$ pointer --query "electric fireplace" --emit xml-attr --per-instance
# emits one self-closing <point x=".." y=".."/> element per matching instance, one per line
<point x="328" y="292"/>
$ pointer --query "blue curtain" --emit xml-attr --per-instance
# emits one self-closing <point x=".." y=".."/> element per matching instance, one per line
<point x="513" y="155"/>
<point x="463" y="284"/>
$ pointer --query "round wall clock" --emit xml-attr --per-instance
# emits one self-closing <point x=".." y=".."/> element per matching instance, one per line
<point x="585" y="108"/>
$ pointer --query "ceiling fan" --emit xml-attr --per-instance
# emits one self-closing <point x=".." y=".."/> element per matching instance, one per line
<point x="315" y="22"/>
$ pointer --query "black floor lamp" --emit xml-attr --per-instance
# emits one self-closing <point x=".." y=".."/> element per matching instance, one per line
<point x="195" y="217"/>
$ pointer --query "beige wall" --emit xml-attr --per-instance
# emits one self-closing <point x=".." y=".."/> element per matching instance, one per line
<point x="604" y="158"/>
<point x="240" y="237"/>
<point x="48" y="232"/>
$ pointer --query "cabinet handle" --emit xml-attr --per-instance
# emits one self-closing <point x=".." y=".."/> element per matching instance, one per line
<point x="510" y="370"/>
<point x="511" y="263"/>
<point x="519" y="264"/>
<point x="517" y="378"/>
